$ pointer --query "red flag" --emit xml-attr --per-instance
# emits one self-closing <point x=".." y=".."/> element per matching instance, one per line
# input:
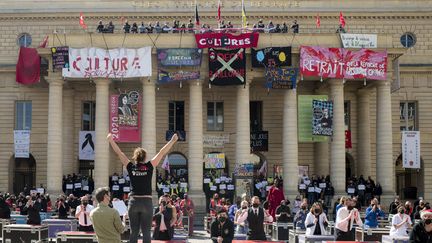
<point x="44" y="42"/>
<point x="197" y="23"/>
<point x="341" y="19"/>
<point x="318" y="21"/>
<point x="83" y="25"/>
<point x="219" y="11"/>
<point x="28" y="66"/>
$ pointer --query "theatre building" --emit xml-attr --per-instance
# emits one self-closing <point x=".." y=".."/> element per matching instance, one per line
<point x="128" y="84"/>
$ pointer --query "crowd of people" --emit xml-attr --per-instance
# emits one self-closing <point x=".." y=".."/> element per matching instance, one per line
<point x="171" y="183"/>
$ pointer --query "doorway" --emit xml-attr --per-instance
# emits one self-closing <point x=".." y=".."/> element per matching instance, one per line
<point x="24" y="174"/>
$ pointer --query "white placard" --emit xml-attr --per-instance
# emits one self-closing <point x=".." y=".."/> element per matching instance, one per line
<point x="411" y="149"/>
<point x="361" y="187"/>
<point x="122" y="181"/>
<point x="33" y="192"/>
<point x="86" y="145"/>
<point x="318" y="190"/>
<point x="306" y="182"/>
<point x="230" y="187"/>
<point x="183" y="184"/>
<point x="359" y="40"/>
<point x="174" y="186"/>
<point x="264" y="183"/>
<point x="77" y="185"/>
<point x="116" y="188"/>
<point x="322" y="185"/>
<point x="222" y="186"/>
<point x="126" y="189"/>
<point x="40" y="190"/>
<point x="213" y="188"/>
<point x="166" y="189"/>
<point x="302" y="186"/>
<point x="22" y="143"/>
<point x="206" y="180"/>
<point x="114" y="178"/>
<point x="223" y="178"/>
<point x="86" y="188"/>
<point x="351" y="190"/>
<point x="311" y="189"/>
<point x="120" y="206"/>
<point x="128" y="63"/>
<point x="268" y="188"/>
<point x="258" y="185"/>
<point x="69" y="186"/>
<point x="215" y="141"/>
<point x="217" y="180"/>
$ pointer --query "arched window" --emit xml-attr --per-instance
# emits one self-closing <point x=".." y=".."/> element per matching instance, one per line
<point x="24" y="40"/>
<point x="408" y="40"/>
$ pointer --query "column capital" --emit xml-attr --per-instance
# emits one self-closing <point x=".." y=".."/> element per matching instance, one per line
<point x="383" y="82"/>
<point x="101" y="81"/>
<point x="148" y="81"/>
<point x="54" y="79"/>
<point x="335" y="82"/>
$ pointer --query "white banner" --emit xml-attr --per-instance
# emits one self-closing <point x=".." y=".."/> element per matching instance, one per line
<point x="359" y="40"/>
<point x="86" y="145"/>
<point x="411" y="149"/>
<point x="113" y="63"/>
<point x="215" y="141"/>
<point x="22" y="143"/>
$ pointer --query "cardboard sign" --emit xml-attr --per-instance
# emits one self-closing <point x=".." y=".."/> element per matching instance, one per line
<point x="222" y="186"/>
<point x="116" y="188"/>
<point x="69" y="186"/>
<point x="230" y="187"/>
<point x="77" y="185"/>
<point x="311" y="189"/>
<point x="86" y="188"/>
<point x="318" y="190"/>
<point x="351" y="190"/>
<point x="206" y="180"/>
<point x="121" y="181"/>
<point x="183" y="184"/>
<point x="322" y="185"/>
<point x="213" y="188"/>
<point x="126" y="189"/>
<point x="361" y="187"/>
<point x="302" y="186"/>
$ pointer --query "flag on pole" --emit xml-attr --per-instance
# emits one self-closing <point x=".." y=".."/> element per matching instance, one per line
<point x="44" y="42"/>
<point x="341" y="19"/>
<point x="219" y="11"/>
<point x="318" y="21"/>
<point x="81" y="21"/>
<point x="197" y="23"/>
<point x="243" y="15"/>
<point x="263" y="169"/>
<point x="165" y="164"/>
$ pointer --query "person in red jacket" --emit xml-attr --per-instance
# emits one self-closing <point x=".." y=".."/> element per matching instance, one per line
<point x="275" y="196"/>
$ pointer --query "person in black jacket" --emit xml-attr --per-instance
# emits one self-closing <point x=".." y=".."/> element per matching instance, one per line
<point x="4" y="209"/>
<point x="222" y="229"/>
<point x="63" y="208"/>
<point x="162" y="217"/>
<point x="422" y="231"/>
<point x="255" y="216"/>
<point x="33" y="208"/>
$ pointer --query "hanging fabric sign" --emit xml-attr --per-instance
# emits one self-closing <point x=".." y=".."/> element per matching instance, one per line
<point x="259" y="141"/>
<point x="22" y="143"/>
<point x="227" y="67"/>
<point x="125" y="119"/>
<point x="322" y="120"/>
<point x="348" y="142"/>
<point x="114" y="63"/>
<point x="179" y="57"/>
<point x="227" y="40"/>
<point x="60" y="57"/>
<point x="214" y="161"/>
<point x="176" y="76"/>
<point x="86" y="145"/>
<point x="411" y="149"/>
<point x="281" y="78"/>
<point x="271" y="56"/>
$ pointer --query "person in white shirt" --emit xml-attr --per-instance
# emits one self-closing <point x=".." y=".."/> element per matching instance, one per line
<point x="400" y="223"/>
<point x="316" y="221"/>
<point x="345" y="218"/>
<point x="255" y="217"/>
<point x="83" y="215"/>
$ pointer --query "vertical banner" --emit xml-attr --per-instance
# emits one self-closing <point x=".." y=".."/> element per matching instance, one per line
<point x="348" y="142"/>
<point x="322" y="118"/>
<point x="259" y="141"/>
<point x="227" y="67"/>
<point x="22" y="143"/>
<point x="304" y="112"/>
<point x="86" y="145"/>
<point x="60" y="57"/>
<point x="125" y="119"/>
<point x="411" y="149"/>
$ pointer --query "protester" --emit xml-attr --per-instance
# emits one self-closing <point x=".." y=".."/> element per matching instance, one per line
<point x="162" y="217"/>
<point x="283" y="212"/>
<point x="346" y="217"/>
<point x="316" y="221"/>
<point x="422" y="231"/>
<point x="340" y="29"/>
<point x="222" y="229"/>
<point x="63" y="208"/>
<point x="300" y="217"/>
<point x="106" y="221"/>
<point x="295" y="27"/>
<point x="83" y="215"/>
<point x="373" y="212"/>
<point x="393" y="208"/>
<point x="275" y="196"/>
<point x="400" y="223"/>
<point x="187" y="207"/>
<point x="255" y="217"/>
<point x="4" y="209"/>
<point x="241" y="228"/>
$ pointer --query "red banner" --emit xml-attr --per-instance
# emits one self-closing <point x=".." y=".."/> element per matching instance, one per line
<point x="348" y="143"/>
<point x="125" y="119"/>
<point x="342" y="63"/>
<point x="28" y="66"/>
<point x="227" y="40"/>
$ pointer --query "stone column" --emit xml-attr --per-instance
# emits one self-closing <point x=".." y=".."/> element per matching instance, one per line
<point x="384" y="140"/>
<point x="68" y="132"/>
<point x="55" y="135"/>
<point x="102" y="152"/>
<point x="337" y="145"/>
<point x="321" y="159"/>
<point x="290" y="144"/>
<point x="363" y="131"/>
<point x="148" y="123"/>
<point x="242" y="125"/>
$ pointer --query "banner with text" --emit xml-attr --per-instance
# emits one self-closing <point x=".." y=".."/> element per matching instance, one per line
<point x="271" y="56"/>
<point x="86" y="145"/>
<point x="281" y="78"/>
<point x="227" y="40"/>
<point x="411" y="149"/>
<point x="322" y="118"/>
<point x="214" y="161"/>
<point x="60" y="57"/>
<point x="227" y="67"/>
<point x="215" y="141"/>
<point x="341" y="63"/>
<point x="176" y="76"/>
<point x="179" y="57"/>
<point x="304" y="114"/>
<point x="125" y="119"/>
<point x="22" y="143"/>
<point x="114" y="63"/>
<point x="259" y="141"/>
<point x="359" y="40"/>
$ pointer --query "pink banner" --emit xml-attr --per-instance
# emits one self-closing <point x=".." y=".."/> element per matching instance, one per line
<point x="227" y="40"/>
<point x="125" y="119"/>
<point x="341" y="63"/>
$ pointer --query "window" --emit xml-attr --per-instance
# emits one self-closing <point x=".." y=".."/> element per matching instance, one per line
<point x="347" y="115"/>
<point x="255" y="111"/>
<point x="408" y="116"/>
<point x="215" y="116"/>
<point x="24" y="40"/>
<point x="408" y="40"/>
<point x="176" y="116"/>
<point x="88" y="116"/>
<point x="23" y="115"/>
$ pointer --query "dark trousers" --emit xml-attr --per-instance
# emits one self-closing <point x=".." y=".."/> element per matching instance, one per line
<point x="140" y="213"/>
<point x="345" y="236"/>
<point x="86" y="228"/>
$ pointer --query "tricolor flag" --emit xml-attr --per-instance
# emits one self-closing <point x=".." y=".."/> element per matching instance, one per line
<point x="197" y="23"/>
<point x="341" y="19"/>
<point x="165" y="164"/>
<point x="243" y="15"/>
<point x="81" y="21"/>
<point x="318" y="21"/>
<point x="219" y="11"/>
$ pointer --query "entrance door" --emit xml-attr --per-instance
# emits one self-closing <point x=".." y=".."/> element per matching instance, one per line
<point x="25" y="174"/>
